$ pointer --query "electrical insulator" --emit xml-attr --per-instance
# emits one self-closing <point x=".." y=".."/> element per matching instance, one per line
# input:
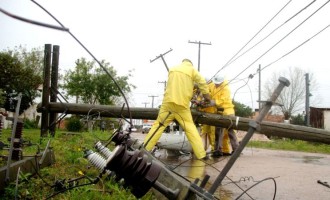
<point x="134" y="167"/>
<point x="103" y="150"/>
<point x="96" y="160"/>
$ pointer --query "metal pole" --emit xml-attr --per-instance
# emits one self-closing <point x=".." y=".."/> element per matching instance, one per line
<point x="253" y="126"/>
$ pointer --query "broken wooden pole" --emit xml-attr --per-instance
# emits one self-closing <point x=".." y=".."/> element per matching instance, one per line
<point x="239" y="123"/>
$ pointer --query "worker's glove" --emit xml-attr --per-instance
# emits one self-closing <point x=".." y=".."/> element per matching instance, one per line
<point x="211" y="103"/>
<point x="195" y="102"/>
<point x="207" y="98"/>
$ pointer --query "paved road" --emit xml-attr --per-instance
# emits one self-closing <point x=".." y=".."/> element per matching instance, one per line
<point x="289" y="175"/>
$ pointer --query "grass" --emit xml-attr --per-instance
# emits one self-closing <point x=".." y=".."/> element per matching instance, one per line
<point x="69" y="164"/>
<point x="292" y="145"/>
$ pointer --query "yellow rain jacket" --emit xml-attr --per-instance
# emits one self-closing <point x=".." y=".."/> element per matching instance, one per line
<point x="176" y="106"/>
<point x="222" y="97"/>
<point x="179" y="89"/>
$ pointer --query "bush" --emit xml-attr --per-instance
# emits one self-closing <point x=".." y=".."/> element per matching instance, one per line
<point x="74" y="124"/>
<point x="29" y="124"/>
<point x="298" y="120"/>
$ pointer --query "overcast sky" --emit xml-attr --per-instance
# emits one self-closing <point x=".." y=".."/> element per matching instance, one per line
<point x="129" y="33"/>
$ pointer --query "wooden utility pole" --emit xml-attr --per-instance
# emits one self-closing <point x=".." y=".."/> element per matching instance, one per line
<point x="199" y="50"/>
<point x="145" y="104"/>
<point x="307" y="116"/>
<point x="54" y="86"/>
<point x="152" y="102"/>
<point x="259" y="99"/>
<point x="267" y="128"/>
<point x="45" y="90"/>
<point x="162" y="57"/>
<point x="165" y="82"/>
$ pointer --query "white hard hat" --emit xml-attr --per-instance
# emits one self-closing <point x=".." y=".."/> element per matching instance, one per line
<point x="218" y="79"/>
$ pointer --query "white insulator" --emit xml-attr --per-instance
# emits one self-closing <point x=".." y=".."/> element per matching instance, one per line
<point x="97" y="160"/>
<point x="103" y="150"/>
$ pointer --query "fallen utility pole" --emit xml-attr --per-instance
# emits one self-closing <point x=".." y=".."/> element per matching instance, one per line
<point x="238" y="123"/>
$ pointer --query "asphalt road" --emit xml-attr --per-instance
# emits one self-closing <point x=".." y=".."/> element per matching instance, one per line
<point x="266" y="174"/>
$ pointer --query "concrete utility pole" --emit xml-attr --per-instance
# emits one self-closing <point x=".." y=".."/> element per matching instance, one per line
<point x="145" y="104"/>
<point x="164" y="84"/>
<point x="307" y="121"/>
<point x="162" y="56"/>
<point x="152" y="104"/>
<point x="199" y="50"/>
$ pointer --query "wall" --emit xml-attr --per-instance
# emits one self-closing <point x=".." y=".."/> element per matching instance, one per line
<point x="326" y="115"/>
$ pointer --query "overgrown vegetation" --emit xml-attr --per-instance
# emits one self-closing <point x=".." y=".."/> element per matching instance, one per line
<point x="70" y="164"/>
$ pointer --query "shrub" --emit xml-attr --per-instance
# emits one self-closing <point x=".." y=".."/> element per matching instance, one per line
<point x="28" y="124"/>
<point x="74" y="124"/>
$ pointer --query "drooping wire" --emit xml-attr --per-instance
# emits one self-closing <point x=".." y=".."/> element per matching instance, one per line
<point x="266" y="179"/>
<point x="100" y="64"/>
<point x="229" y="61"/>
<point x="62" y="28"/>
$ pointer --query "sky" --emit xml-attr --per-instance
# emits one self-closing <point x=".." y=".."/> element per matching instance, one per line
<point x="129" y="34"/>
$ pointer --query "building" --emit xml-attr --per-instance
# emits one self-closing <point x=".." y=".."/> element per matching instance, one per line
<point x="320" y="118"/>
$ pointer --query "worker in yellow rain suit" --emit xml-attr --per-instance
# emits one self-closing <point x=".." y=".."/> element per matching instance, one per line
<point x="176" y="105"/>
<point x="207" y="131"/>
<point x="220" y="93"/>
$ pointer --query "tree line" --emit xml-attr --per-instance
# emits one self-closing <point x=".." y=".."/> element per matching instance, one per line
<point x="21" y="71"/>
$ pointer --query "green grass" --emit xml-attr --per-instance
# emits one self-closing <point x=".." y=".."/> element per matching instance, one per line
<point x="292" y="145"/>
<point x="70" y="164"/>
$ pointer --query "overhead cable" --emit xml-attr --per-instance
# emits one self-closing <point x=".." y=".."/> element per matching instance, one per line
<point x="280" y="40"/>
<point x="252" y="38"/>
<point x="271" y="33"/>
<point x="296" y="47"/>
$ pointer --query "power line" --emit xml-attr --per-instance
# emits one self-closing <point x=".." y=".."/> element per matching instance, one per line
<point x="286" y="21"/>
<point x="296" y="47"/>
<point x="281" y="40"/>
<point x="252" y="38"/>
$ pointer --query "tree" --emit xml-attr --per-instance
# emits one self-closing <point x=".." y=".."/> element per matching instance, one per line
<point x="90" y="84"/>
<point x="292" y="98"/>
<point x="298" y="120"/>
<point x="20" y="72"/>
<point x="242" y="110"/>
